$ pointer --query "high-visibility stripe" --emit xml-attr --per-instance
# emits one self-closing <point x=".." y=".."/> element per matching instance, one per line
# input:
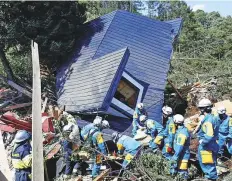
<point x="181" y="138"/>
<point x="120" y="146"/>
<point x="208" y="128"/>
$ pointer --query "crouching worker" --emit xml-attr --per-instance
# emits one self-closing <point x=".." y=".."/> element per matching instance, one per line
<point x="179" y="161"/>
<point x="225" y="130"/>
<point x="169" y="132"/>
<point x="155" y="130"/>
<point x="21" y="156"/>
<point x="70" y="141"/>
<point x="139" y="111"/>
<point x="127" y="144"/>
<point x="97" y="124"/>
<point x="97" y="142"/>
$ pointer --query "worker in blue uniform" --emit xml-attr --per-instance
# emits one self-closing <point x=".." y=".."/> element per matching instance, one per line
<point x="155" y="130"/>
<point x="225" y="130"/>
<point x="208" y="147"/>
<point x="139" y="110"/>
<point x="21" y="156"/>
<point x="127" y="144"/>
<point x="85" y="130"/>
<point x="71" y="139"/>
<point x="179" y="161"/>
<point x="168" y="133"/>
<point x="97" y="141"/>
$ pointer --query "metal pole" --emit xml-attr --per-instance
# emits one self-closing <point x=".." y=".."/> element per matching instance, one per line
<point x="37" y="144"/>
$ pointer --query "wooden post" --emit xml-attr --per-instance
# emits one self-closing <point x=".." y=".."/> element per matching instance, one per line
<point x="37" y="144"/>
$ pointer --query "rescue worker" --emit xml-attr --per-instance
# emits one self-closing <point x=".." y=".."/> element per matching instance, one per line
<point x="21" y="156"/>
<point x="169" y="132"/>
<point x="208" y="147"/>
<point x="139" y="110"/>
<point x="179" y="161"/>
<point x="127" y="144"/>
<point x="85" y="130"/>
<point x="67" y="118"/>
<point x="155" y="130"/>
<point x="97" y="141"/>
<point x="71" y="139"/>
<point x="225" y="130"/>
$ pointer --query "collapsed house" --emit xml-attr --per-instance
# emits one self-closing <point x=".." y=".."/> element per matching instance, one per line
<point x="122" y="59"/>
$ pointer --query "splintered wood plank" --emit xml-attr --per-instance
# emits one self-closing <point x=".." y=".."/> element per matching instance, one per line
<point x="56" y="113"/>
<point x="102" y="175"/>
<point x="44" y="104"/>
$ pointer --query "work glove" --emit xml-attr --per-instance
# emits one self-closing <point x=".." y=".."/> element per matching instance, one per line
<point x="200" y="141"/>
<point x="169" y="149"/>
<point x="173" y="163"/>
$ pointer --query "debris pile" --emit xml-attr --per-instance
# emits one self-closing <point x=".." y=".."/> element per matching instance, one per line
<point x="147" y="166"/>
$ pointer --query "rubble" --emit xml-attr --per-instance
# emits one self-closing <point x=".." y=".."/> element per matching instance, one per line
<point x="145" y="164"/>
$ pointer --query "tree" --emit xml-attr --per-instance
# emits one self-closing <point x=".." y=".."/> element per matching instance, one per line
<point x="53" y="25"/>
<point x="99" y="8"/>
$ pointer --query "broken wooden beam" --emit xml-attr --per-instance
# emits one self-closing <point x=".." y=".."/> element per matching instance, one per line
<point x="79" y="178"/>
<point x="16" y="86"/>
<point x="178" y="93"/>
<point x="16" y="106"/>
<point x="44" y="104"/>
<point x="102" y="175"/>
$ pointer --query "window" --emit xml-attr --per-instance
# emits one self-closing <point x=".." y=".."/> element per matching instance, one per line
<point x="128" y="94"/>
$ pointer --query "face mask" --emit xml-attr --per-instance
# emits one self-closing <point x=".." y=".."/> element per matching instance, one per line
<point x="222" y="116"/>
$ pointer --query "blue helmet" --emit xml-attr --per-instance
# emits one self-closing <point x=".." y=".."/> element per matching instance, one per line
<point x="22" y="135"/>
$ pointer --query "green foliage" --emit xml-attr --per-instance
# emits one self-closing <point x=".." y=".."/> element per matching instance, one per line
<point x="99" y="8"/>
<point x="155" y="166"/>
<point x="53" y="25"/>
<point x="204" y="49"/>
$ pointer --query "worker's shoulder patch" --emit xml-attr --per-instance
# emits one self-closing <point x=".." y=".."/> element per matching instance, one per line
<point x="230" y="122"/>
<point x="100" y="138"/>
<point x="135" y="115"/>
<point x="181" y="139"/>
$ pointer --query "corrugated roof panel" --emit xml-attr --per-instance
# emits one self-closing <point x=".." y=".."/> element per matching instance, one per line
<point x="87" y="92"/>
<point x="176" y="25"/>
<point x="150" y="46"/>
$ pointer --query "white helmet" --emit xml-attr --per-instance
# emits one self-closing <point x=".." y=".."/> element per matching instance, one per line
<point x="204" y="103"/>
<point x="178" y="119"/>
<point x="221" y="110"/>
<point x="142" y="118"/>
<point x="105" y="124"/>
<point x="68" y="128"/>
<point x="97" y="121"/>
<point x="140" y="105"/>
<point x="65" y="113"/>
<point x="150" y="123"/>
<point x="167" y="110"/>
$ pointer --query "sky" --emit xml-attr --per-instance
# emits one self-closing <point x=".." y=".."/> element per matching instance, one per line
<point x="224" y="7"/>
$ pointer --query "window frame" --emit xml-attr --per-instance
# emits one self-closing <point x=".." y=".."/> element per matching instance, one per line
<point x="123" y="106"/>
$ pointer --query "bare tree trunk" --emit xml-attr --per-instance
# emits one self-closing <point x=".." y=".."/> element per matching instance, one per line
<point x="6" y="65"/>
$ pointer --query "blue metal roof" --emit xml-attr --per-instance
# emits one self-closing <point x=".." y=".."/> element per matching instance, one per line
<point x="92" y="87"/>
<point x="150" y="45"/>
<point x="176" y="25"/>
